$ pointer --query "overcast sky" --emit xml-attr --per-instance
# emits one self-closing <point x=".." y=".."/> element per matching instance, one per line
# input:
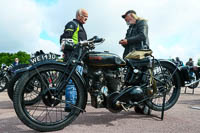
<point x="30" y="25"/>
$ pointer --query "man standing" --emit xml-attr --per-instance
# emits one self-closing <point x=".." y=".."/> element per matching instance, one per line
<point x="190" y="62"/>
<point x="16" y="62"/>
<point x="137" y="33"/>
<point x="136" y="39"/>
<point x="73" y="30"/>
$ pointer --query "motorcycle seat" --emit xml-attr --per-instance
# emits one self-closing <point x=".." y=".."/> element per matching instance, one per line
<point x="139" y="54"/>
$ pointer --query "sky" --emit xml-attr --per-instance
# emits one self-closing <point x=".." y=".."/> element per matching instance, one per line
<point x="30" y="25"/>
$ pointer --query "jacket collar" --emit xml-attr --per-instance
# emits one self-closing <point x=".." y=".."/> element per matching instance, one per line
<point x="78" y="22"/>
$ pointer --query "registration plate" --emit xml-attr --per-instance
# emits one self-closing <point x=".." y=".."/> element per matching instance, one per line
<point x="43" y="57"/>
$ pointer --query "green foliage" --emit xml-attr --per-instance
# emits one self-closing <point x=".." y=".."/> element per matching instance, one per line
<point x="198" y="63"/>
<point x="9" y="58"/>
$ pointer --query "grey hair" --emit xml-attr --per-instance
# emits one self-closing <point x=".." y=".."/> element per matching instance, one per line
<point x="79" y="12"/>
<point x="136" y="17"/>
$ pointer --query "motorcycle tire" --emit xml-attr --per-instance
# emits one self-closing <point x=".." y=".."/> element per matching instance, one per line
<point x="43" y="116"/>
<point x="14" y="79"/>
<point x="3" y="83"/>
<point x="172" y="94"/>
<point x="11" y="86"/>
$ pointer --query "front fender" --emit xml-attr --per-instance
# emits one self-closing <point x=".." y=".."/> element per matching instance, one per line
<point x="162" y="61"/>
<point x="40" y="64"/>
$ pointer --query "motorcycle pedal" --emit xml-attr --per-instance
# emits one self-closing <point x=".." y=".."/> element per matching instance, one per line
<point x="125" y="108"/>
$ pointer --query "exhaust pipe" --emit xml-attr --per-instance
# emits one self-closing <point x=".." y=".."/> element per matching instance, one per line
<point x="192" y="83"/>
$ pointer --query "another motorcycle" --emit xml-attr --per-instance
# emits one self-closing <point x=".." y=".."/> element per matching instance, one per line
<point x="3" y="77"/>
<point x="113" y="83"/>
<point x="191" y="76"/>
<point x="17" y="73"/>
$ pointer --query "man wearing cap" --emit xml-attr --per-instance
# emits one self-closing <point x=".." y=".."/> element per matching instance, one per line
<point x="136" y="39"/>
<point x="137" y="33"/>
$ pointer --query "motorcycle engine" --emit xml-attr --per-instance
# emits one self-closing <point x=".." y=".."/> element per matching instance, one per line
<point x="102" y="83"/>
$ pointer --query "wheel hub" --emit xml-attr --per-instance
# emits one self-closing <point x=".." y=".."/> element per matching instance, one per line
<point x="50" y="99"/>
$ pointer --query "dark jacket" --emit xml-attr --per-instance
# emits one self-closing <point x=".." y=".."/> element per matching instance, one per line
<point x="137" y="37"/>
<point x="70" y="29"/>
<point x="73" y="30"/>
<point x="190" y="63"/>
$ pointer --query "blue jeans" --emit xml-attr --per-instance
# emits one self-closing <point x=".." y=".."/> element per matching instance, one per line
<point x="70" y="91"/>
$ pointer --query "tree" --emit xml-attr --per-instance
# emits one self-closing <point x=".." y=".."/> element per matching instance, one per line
<point x="198" y="63"/>
<point x="8" y="58"/>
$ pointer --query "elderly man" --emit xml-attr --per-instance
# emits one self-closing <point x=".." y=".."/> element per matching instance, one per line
<point x="74" y="30"/>
<point x="136" y="39"/>
<point x="137" y="33"/>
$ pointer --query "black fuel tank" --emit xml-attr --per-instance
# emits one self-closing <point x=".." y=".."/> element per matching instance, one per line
<point x="104" y="59"/>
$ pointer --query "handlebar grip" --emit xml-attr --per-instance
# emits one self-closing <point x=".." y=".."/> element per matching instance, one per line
<point x="98" y="40"/>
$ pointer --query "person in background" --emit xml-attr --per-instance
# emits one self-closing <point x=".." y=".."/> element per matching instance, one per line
<point x="16" y="62"/>
<point x="178" y="62"/>
<point x="190" y="62"/>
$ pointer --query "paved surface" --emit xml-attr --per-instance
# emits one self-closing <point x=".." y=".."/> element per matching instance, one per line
<point x="184" y="117"/>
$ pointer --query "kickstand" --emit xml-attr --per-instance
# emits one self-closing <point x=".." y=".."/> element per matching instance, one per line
<point x="163" y="107"/>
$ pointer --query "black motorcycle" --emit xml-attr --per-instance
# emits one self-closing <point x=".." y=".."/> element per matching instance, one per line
<point x="191" y="76"/>
<point x="3" y="77"/>
<point x="113" y="83"/>
<point x="17" y="73"/>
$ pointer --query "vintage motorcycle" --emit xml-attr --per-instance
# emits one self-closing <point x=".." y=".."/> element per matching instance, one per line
<point x="3" y="77"/>
<point x="191" y="76"/>
<point x="113" y="83"/>
<point x="17" y="73"/>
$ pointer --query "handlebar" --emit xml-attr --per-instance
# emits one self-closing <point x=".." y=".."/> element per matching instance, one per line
<point x="91" y="41"/>
<point x="87" y="43"/>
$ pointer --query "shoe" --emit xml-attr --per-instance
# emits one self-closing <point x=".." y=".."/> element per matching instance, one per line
<point x="138" y="109"/>
<point x="146" y="110"/>
<point x="142" y="109"/>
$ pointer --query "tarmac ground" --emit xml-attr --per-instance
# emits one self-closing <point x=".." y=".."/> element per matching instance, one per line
<point x="184" y="117"/>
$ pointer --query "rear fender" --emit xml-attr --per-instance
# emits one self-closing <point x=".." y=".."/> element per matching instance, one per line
<point x="162" y="61"/>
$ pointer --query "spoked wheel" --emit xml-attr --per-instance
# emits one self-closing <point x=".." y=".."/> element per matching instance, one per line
<point x="167" y="82"/>
<point x="3" y="82"/>
<point x="51" y="111"/>
<point x="33" y="89"/>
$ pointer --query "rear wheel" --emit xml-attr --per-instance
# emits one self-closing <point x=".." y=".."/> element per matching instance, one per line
<point x="167" y="82"/>
<point x="48" y="112"/>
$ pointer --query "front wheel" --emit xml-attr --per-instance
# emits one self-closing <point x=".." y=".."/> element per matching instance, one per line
<point x="51" y="111"/>
<point x="167" y="82"/>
